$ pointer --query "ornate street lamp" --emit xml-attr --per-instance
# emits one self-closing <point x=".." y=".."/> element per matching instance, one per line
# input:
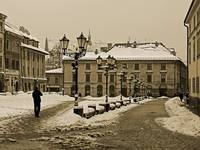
<point x="110" y="65"/>
<point x="130" y="79"/>
<point x="122" y="77"/>
<point x="80" y="52"/>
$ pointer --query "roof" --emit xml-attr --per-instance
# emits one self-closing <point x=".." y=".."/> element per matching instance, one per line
<point x="58" y="70"/>
<point x="34" y="48"/>
<point x="143" y="51"/>
<point x="189" y="11"/>
<point x="11" y="28"/>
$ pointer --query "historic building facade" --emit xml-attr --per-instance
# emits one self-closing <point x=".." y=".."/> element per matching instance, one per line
<point x="192" y="22"/>
<point x="54" y="80"/>
<point x="161" y="71"/>
<point x="23" y="62"/>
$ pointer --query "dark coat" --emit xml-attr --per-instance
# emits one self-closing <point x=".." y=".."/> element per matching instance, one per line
<point x="36" y="96"/>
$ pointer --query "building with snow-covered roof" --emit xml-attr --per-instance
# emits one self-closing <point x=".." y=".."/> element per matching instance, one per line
<point x="192" y="22"/>
<point x="22" y="61"/>
<point x="54" y="80"/>
<point x="161" y="70"/>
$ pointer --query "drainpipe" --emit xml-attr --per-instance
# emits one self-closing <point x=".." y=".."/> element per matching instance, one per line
<point x="187" y="83"/>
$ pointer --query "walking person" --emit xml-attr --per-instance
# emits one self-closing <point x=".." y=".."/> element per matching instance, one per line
<point x="37" y="100"/>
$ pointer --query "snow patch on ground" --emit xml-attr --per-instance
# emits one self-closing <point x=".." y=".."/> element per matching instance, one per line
<point x="181" y="120"/>
<point x="21" y="104"/>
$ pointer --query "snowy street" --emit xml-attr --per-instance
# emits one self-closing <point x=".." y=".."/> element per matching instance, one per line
<point x="135" y="126"/>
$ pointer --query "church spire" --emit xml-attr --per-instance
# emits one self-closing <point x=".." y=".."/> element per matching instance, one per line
<point x="89" y="39"/>
<point x="46" y="45"/>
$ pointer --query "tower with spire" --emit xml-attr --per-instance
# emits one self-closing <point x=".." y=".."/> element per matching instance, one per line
<point x="46" y="45"/>
<point x="89" y="39"/>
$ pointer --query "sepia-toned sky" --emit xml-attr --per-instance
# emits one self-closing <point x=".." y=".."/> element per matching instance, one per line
<point x="108" y="20"/>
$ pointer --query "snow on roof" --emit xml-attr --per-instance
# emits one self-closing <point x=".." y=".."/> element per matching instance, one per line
<point x="12" y="28"/>
<point x="58" y="70"/>
<point x="149" y="51"/>
<point x="34" y="48"/>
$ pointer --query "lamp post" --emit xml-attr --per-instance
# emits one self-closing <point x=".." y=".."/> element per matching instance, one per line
<point x="110" y="65"/>
<point x="130" y="79"/>
<point x="80" y="52"/>
<point x="122" y="77"/>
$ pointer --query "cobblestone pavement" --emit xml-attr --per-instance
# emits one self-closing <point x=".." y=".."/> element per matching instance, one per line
<point x="135" y="130"/>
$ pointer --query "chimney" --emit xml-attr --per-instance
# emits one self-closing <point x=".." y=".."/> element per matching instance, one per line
<point x="109" y="46"/>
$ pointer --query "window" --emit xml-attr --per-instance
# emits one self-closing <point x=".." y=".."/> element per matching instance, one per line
<point x="198" y="16"/>
<point x="37" y="58"/>
<point x="189" y="53"/>
<point x="7" y="63"/>
<point x="33" y="72"/>
<point x="33" y="57"/>
<point x="28" y="56"/>
<point x="193" y="85"/>
<point x="17" y="65"/>
<point x="87" y="67"/>
<point x="163" y="67"/>
<point x="149" y="66"/>
<point x="137" y="67"/>
<point x="99" y="77"/>
<point x="1" y="45"/>
<point x="13" y="64"/>
<point x="28" y="71"/>
<point x="163" y="78"/>
<point x="38" y="72"/>
<point x="87" y="78"/>
<point x="56" y="81"/>
<point x="194" y="49"/>
<point x="1" y="26"/>
<point x="198" y="48"/>
<point x="0" y="61"/>
<point x="149" y="78"/>
<point x="197" y="84"/>
<point x="112" y="78"/>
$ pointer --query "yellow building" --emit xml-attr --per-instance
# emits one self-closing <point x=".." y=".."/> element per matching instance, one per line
<point x="54" y="80"/>
<point x="192" y="22"/>
<point x="23" y="62"/>
<point x="152" y="63"/>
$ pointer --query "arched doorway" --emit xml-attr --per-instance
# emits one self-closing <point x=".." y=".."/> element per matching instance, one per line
<point x="1" y="86"/>
<point x="112" y="90"/>
<point x="149" y="90"/>
<point x="16" y="86"/>
<point x="163" y="90"/>
<point x="72" y="91"/>
<point x="99" y="90"/>
<point x="87" y="90"/>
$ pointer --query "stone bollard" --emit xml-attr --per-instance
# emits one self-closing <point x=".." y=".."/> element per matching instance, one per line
<point x="78" y="110"/>
<point x="121" y="102"/>
<point x="106" y="106"/>
<point x="93" y="106"/>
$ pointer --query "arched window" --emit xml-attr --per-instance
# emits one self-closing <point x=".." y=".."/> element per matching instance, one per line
<point x="87" y="90"/>
<point x="72" y="90"/>
<point x="99" y="90"/>
<point x="112" y="90"/>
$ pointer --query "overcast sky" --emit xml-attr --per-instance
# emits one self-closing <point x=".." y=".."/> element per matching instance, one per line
<point x="108" y="20"/>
